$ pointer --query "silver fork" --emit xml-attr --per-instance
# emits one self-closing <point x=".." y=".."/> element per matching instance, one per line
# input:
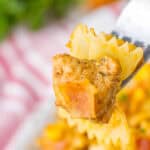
<point x="133" y="26"/>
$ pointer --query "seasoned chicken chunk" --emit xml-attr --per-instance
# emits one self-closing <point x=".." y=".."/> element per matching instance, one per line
<point x="86" y="88"/>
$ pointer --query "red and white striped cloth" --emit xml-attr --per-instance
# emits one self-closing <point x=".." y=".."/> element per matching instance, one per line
<point x="25" y="72"/>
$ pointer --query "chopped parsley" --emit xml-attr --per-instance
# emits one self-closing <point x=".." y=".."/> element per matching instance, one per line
<point x="123" y="97"/>
<point x="142" y="130"/>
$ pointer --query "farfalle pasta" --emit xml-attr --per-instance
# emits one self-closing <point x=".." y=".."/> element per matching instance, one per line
<point x="86" y="83"/>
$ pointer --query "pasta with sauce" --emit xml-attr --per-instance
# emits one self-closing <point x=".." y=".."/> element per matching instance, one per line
<point x="86" y="83"/>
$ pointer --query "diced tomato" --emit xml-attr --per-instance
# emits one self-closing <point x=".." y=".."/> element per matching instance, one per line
<point x="80" y="98"/>
<point x="62" y="145"/>
<point x="143" y="144"/>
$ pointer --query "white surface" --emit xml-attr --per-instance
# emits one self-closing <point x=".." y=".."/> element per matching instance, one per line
<point x="26" y="136"/>
<point x="135" y="21"/>
<point x="101" y="19"/>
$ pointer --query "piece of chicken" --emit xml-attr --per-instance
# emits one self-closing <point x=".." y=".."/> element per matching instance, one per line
<point x="86" y="88"/>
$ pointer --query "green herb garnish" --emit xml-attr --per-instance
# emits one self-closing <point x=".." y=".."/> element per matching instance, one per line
<point x="142" y="130"/>
<point x="123" y="97"/>
<point x="33" y="13"/>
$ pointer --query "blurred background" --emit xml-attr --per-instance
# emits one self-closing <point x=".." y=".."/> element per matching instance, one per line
<point x="31" y="32"/>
